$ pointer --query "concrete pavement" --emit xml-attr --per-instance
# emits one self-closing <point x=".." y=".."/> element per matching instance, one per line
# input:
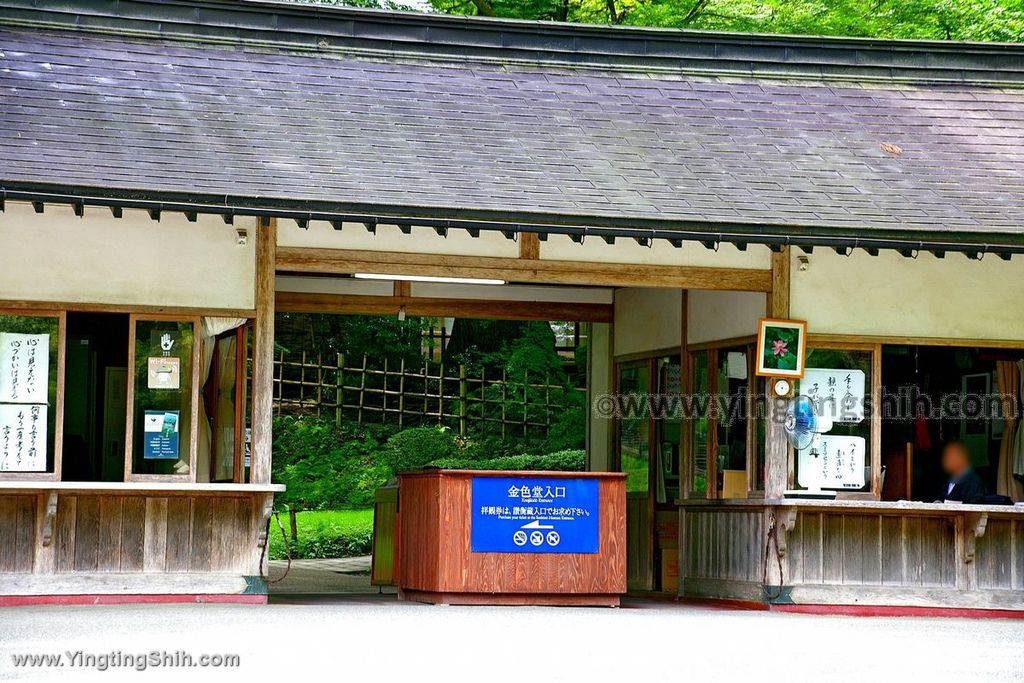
<point x="372" y="638"/>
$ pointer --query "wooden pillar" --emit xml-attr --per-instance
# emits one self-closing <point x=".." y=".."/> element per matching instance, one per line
<point x="529" y="245"/>
<point x="263" y="352"/>
<point x="776" y="452"/>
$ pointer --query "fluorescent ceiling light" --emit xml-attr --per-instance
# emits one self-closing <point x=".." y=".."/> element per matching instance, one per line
<point x="430" y="278"/>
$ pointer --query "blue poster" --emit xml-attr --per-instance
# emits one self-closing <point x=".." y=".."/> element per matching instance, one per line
<point x="160" y="435"/>
<point x="534" y="515"/>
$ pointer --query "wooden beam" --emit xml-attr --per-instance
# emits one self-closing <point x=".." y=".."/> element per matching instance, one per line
<point x="302" y="302"/>
<point x="776" y="452"/>
<point x="529" y="245"/>
<point x="343" y="261"/>
<point x="263" y="352"/>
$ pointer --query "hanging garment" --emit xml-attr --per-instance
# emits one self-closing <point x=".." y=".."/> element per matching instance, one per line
<point x="1007" y="381"/>
<point x="922" y="438"/>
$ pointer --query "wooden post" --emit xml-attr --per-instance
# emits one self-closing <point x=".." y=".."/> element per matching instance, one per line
<point x="339" y="390"/>
<point x="263" y="352"/>
<point x="462" y="400"/>
<point x="504" y="398"/>
<point x="384" y="393"/>
<point x="319" y="382"/>
<point x="776" y="451"/>
<point x="302" y="382"/>
<point x="362" y="392"/>
<point x="401" y="393"/>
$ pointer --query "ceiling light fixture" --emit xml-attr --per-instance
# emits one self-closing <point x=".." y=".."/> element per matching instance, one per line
<point x="430" y="278"/>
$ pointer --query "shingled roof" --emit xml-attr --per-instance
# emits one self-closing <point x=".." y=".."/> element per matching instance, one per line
<point x="913" y="145"/>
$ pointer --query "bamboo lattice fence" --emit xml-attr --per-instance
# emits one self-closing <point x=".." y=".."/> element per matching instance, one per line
<point x="431" y="393"/>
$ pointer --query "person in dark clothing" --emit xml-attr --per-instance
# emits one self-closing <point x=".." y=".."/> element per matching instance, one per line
<point x="964" y="484"/>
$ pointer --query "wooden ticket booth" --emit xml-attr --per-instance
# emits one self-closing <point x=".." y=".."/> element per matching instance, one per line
<point x="170" y="171"/>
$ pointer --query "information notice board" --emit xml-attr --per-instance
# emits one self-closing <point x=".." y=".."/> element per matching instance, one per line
<point x="523" y="514"/>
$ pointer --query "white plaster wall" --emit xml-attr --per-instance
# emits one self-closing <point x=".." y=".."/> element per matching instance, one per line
<point x="647" y="319"/>
<point x="321" y="234"/>
<point x="892" y="295"/>
<point x="713" y="315"/>
<point x="134" y="260"/>
<point x="660" y="253"/>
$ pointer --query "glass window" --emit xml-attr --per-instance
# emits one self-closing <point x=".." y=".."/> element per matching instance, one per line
<point x="845" y="359"/>
<point x="635" y="427"/>
<point x="668" y="430"/>
<point x="701" y="396"/>
<point x="163" y="396"/>
<point x="732" y="387"/>
<point x="29" y="351"/>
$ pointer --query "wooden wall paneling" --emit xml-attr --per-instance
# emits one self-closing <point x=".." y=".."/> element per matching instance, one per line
<point x="65" y="533"/>
<point x="133" y="533"/>
<point x="832" y="548"/>
<point x="45" y="540"/>
<point x="201" y="548"/>
<point x="872" y="549"/>
<point x="154" y="552"/>
<point x="891" y="531"/>
<point x="912" y="544"/>
<point x="993" y="563"/>
<point x="435" y="512"/>
<point x="87" y="534"/>
<point x="179" y="533"/>
<point x="853" y="548"/>
<point x="17" y="533"/>
<point x="111" y="508"/>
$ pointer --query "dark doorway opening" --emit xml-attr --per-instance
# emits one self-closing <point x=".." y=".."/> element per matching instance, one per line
<point x="95" y="396"/>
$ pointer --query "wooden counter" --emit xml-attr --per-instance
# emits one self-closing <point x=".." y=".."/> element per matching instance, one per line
<point x="853" y="552"/>
<point x="437" y="563"/>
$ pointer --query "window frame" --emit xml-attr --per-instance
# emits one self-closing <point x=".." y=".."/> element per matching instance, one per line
<point x="829" y="343"/>
<point x="58" y="403"/>
<point x="197" y="354"/>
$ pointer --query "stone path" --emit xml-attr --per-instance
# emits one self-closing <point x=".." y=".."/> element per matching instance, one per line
<point x="324" y="577"/>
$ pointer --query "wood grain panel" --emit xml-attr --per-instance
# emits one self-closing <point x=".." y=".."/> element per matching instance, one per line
<point x="87" y="534"/>
<point x="65" y="533"/>
<point x="109" y="555"/>
<point x="133" y="531"/>
<point x="179" y="534"/>
<point x="17" y="533"/>
<point x="436" y="556"/>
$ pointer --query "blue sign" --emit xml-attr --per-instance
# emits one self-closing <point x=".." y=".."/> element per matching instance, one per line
<point x="534" y="515"/>
<point x="160" y="435"/>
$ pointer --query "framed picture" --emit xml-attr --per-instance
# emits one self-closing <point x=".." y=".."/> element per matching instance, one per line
<point x="781" y="347"/>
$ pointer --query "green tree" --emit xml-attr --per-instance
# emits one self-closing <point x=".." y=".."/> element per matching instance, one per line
<point x="980" y="20"/>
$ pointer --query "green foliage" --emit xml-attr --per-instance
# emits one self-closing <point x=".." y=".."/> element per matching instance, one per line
<point x="325" y="533"/>
<point x="561" y="461"/>
<point x="325" y="467"/>
<point x="413" y="448"/>
<point x="985" y="20"/>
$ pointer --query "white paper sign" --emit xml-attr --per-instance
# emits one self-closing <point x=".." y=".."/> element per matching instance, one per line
<point x="24" y="367"/>
<point x="22" y="438"/>
<point x="832" y="462"/>
<point x="838" y="394"/>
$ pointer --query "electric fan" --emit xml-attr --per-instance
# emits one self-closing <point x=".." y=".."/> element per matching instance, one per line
<point x="803" y="426"/>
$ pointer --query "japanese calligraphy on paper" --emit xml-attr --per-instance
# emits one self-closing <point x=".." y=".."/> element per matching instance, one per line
<point x="22" y="438"/>
<point x="832" y="462"/>
<point x="837" y="394"/>
<point x="24" y="367"/>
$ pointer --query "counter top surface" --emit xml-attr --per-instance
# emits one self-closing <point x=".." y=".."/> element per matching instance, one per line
<point x="516" y="473"/>
<point x="134" y="487"/>
<point x="895" y="506"/>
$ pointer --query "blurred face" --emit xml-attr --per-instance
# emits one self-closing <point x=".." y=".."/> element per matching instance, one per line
<point x="955" y="460"/>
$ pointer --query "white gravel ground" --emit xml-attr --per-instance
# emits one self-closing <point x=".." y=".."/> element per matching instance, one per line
<point x="377" y="639"/>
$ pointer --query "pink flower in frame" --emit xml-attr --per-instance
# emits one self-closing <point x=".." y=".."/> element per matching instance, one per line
<point x="779" y="348"/>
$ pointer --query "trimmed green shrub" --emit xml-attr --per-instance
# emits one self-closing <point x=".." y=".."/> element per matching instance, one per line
<point x="561" y="461"/>
<point x="414" y="448"/>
